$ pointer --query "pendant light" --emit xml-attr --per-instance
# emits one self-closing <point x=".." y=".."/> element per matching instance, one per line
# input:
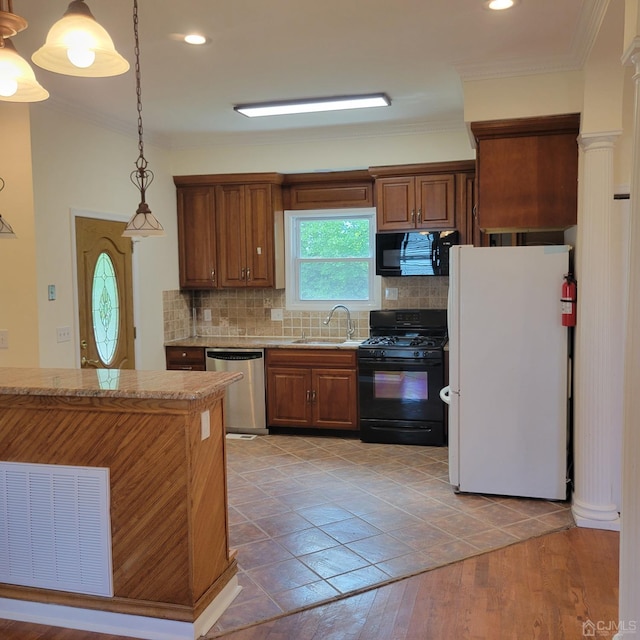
<point x="17" y="80"/>
<point x="143" y="223"/>
<point x="6" y="231"/>
<point x="77" y="45"/>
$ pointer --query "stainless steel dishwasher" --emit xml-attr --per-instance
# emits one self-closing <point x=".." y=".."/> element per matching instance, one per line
<point x="244" y="406"/>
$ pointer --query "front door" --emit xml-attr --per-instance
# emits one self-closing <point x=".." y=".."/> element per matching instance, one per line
<point x="105" y="294"/>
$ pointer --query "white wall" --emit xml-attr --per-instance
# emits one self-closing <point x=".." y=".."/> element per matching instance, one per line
<point x="323" y="152"/>
<point x="18" y="307"/>
<point x="80" y="166"/>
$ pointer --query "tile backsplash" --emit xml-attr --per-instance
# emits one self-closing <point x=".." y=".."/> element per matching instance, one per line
<point x="247" y="312"/>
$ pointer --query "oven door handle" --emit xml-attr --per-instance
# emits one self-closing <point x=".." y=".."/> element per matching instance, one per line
<point x="408" y="365"/>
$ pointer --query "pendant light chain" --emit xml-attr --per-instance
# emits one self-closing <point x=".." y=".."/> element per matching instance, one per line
<point x="142" y="177"/>
<point x="143" y="223"/>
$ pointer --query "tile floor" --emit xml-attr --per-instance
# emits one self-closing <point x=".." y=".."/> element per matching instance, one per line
<point x="314" y="518"/>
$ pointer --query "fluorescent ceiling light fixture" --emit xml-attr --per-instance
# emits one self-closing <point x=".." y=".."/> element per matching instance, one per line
<point x="313" y="105"/>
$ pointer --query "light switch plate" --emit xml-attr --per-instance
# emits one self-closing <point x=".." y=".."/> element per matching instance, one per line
<point x="4" y="339"/>
<point x="63" y="334"/>
<point x="206" y="315"/>
<point x="277" y="314"/>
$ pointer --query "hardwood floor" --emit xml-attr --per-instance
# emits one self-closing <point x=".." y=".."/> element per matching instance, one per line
<point x="544" y="588"/>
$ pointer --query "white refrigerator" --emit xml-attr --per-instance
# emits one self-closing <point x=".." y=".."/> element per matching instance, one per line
<point x="508" y="371"/>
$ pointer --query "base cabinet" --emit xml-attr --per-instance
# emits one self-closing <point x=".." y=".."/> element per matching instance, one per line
<point x="185" y="358"/>
<point x="315" y="388"/>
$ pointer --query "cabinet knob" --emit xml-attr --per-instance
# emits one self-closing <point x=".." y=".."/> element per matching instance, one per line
<point x="248" y="274"/>
<point x="419" y="215"/>
<point x="213" y="275"/>
<point x="413" y="215"/>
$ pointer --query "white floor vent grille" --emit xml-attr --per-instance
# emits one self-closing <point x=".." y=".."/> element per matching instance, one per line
<point x="55" y="530"/>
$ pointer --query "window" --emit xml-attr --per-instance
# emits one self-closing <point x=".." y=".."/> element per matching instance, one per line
<point x="330" y="259"/>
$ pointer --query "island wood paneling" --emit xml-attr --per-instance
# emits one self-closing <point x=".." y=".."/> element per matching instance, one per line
<point x="168" y="493"/>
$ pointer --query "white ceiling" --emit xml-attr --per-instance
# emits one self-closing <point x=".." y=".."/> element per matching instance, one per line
<point x="416" y="51"/>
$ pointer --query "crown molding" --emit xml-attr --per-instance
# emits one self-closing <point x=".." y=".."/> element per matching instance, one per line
<point x="585" y="36"/>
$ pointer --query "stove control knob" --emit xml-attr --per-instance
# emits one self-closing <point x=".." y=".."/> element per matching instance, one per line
<point x="416" y="354"/>
<point x="378" y="353"/>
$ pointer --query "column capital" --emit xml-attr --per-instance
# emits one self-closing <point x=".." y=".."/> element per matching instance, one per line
<point x="598" y="140"/>
<point x="631" y="54"/>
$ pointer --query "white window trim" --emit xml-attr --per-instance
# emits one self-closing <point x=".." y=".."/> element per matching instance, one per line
<point x="292" y="303"/>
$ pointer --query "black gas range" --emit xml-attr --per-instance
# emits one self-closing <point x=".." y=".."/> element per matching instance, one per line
<point x="400" y="374"/>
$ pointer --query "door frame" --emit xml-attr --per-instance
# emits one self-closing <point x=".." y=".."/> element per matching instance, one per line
<point x="112" y="217"/>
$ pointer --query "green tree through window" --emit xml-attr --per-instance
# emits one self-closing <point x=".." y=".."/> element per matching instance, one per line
<point x="331" y="256"/>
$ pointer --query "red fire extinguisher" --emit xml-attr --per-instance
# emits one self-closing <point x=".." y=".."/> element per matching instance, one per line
<point x="568" y="300"/>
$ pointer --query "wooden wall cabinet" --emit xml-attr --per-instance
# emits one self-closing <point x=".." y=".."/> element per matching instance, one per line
<point x="245" y="223"/>
<point x="328" y="190"/>
<point x="527" y="172"/>
<point x="197" y="237"/>
<point x="230" y="230"/>
<point x="314" y="388"/>
<point x="185" y="358"/>
<point x="422" y="196"/>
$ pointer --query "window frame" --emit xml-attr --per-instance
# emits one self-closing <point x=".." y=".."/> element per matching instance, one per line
<point x="293" y="302"/>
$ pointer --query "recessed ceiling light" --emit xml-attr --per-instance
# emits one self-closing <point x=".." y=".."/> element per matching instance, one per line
<point x="499" y="5"/>
<point x="312" y="105"/>
<point x="194" y="38"/>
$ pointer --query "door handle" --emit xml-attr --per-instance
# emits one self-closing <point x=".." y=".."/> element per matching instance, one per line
<point x="248" y="274"/>
<point x="86" y="362"/>
<point x="419" y="216"/>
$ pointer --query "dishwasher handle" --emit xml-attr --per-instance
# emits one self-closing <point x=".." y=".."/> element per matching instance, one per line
<point x="235" y="355"/>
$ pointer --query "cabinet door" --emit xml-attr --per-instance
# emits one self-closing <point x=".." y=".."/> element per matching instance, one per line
<point x="196" y="238"/>
<point x="436" y="202"/>
<point x="259" y="235"/>
<point x="528" y="182"/>
<point x="288" y="397"/>
<point x="230" y="200"/>
<point x="395" y="203"/>
<point x="334" y="398"/>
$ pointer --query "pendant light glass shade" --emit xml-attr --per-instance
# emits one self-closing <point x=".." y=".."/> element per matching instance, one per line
<point x="6" y="232"/>
<point x="17" y="81"/>
<point x="77" y="45"/>
<point x="143" y="224"/>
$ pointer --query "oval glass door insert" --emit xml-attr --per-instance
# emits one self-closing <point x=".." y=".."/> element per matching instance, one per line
<point x="105" y="308"/>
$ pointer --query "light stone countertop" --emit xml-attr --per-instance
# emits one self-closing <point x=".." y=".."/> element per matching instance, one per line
<point x="266" y="342"/>
<point x="114" y="383"/>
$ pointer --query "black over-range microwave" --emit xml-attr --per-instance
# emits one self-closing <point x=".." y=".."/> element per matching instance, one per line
<point x="415" y="253"/>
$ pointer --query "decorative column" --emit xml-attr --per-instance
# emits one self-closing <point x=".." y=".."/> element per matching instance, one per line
<point x="594" y="393"/>
<point x="629" y="582"/>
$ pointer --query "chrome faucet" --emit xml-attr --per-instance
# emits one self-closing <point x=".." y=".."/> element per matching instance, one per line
<point x="350" y="328"/>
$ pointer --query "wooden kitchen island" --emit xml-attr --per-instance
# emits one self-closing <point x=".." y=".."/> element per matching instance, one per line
<point x="158" y="438"/>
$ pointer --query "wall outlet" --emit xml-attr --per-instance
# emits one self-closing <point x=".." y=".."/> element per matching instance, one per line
<point x="4" y="339"/>
<point x="63" y="334"/>
<point x="205" y="425"/>
<point x="391" y="293"/>
<point x="206" y="315"/>
<point x="277" y="314"/>
<point x="51" y="292"/>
